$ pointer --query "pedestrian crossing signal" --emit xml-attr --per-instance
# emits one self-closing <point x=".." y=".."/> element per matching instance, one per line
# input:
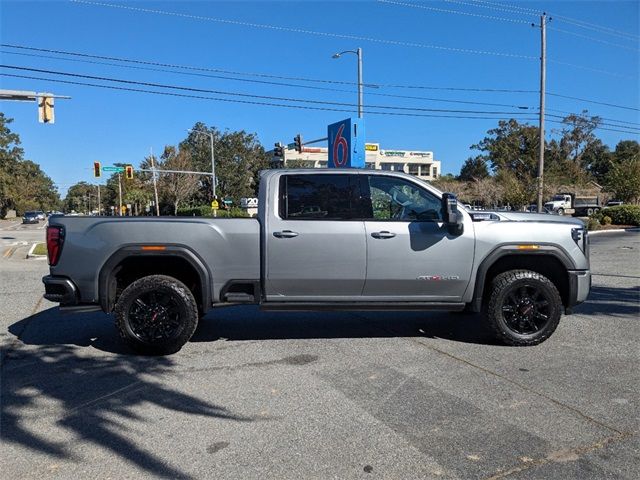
<point x="128" y="172"/>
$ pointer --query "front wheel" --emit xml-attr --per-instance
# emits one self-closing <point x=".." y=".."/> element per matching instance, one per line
<point x="524" y="307"/>
<point x="156" y="315"/>
<point x="561" y="211"/>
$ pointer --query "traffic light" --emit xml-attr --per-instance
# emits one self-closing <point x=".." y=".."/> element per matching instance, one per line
<point x="45" y="110"/>
<point x="97" y="170"/>
<point x="278" y="150"/>
<point x="298" y="141"/>
<point x="128" y="172"/>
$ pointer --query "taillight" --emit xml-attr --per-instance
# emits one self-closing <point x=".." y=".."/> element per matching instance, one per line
<point x="55" y="239"/>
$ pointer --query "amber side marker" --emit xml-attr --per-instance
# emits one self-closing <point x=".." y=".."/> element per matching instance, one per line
<point x="153" y="247"/>
<point x="528" y="247"/>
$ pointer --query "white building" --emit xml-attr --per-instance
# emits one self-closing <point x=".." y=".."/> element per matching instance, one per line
<point x="415" y="162"/>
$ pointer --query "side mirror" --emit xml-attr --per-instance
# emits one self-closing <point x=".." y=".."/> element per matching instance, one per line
<point x="452" y="217"/>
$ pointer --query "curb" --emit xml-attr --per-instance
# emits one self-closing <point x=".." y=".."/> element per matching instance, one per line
<point x="616" y="230"/>
<point x="31" y="254"/>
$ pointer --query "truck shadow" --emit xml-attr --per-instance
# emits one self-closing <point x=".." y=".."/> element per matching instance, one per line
<point x="55" y="397"/>
<point x="612" y="301"/>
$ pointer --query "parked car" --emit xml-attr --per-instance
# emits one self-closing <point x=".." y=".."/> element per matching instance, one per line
<point x="377" y="240"/>
<point x="614" y="203"/>
<point x="41" y="215"/>
<point x="533" y="208"/>
<point x="30" y="217"/>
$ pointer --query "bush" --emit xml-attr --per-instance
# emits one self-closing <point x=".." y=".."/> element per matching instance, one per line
<point x="606" y="220"/>
<point x="205" y="211"/>
<point x="623" y="214"/>
<point x="593" y="224"/>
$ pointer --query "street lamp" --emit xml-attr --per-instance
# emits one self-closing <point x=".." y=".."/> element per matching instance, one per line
<point x="213" y="162"/>
<point x="357" y="52"/>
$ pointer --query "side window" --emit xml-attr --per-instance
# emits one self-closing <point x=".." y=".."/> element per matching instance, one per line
<point x="318" y="197"/>
<point x="396" y="199"/>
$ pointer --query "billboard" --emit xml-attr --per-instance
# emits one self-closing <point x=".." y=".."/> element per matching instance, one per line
<point x="346" y="144"/>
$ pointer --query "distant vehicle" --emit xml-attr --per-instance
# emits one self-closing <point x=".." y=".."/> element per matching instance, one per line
<point x="614" y="203"/>
<point x="41" y="215"/>
<point x="30" y="217"/>
<point x="571" y="204"/>
<point x="533" y="208"/>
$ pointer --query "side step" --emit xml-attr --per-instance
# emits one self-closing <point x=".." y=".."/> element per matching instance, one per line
<point x="373" y="306"/>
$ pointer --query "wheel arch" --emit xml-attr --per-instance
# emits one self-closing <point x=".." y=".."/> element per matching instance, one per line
<point x="131" y="262"/>
<point x="548" y="260"/>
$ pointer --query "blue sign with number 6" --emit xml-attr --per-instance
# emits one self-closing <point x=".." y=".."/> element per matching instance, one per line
<point x="346" y="144"/>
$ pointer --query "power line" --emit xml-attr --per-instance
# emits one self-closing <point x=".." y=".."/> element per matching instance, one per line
<point x="307" y="32"/>
<point x="248" y="95"/>
<point x="592" y="101"/>
<point x="594" y="39"/>
<point x="591" y="69"/>
<point x="605" y="124"/>
<point x="456" y="12"/>
<point x="222" y="77"/>
<point x="190" y="68"/>
<point x="248" y="102"/>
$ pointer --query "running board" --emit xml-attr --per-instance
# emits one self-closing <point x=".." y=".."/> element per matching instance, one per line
<point x="338" y="306"/>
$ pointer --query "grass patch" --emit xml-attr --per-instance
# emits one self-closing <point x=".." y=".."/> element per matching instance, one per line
<point x="41" y="249"/>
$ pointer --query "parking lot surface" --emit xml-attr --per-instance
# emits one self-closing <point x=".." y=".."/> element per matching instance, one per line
<point x="324" y="395"/>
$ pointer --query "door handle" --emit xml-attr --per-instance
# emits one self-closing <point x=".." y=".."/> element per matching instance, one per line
<point x="285" y="234"/>
<point x="383" y="234"/>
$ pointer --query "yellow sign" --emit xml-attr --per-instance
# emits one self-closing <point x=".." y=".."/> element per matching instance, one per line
<point x="215" y="205"/>
<point x="371" y="147"/>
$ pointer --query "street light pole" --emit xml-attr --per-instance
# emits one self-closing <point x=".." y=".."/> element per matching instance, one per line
<point x="357" y="52"/>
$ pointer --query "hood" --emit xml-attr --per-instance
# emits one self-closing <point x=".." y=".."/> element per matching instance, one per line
<point x="538" y="217"/>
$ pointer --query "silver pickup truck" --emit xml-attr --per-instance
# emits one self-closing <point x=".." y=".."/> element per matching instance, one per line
<point x="323" y="240"/>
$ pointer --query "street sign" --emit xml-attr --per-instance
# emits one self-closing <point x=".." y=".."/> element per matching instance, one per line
<point x="113" y="169"/>
<point x="346" y="144"/>
<point x="215" y="205"/>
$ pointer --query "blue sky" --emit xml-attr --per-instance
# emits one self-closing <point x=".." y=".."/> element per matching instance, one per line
<point x="117" y="126"/>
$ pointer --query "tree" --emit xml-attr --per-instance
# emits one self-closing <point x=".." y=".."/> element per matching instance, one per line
<point x="81" y="197"/>
<point x="239" y="157"/>
<point x="623" y="178"/>
<point x="23" y="185"/>
<point x="512" y="147"/>
<point x="474" y="168"/>
<point x="177" y="187"/>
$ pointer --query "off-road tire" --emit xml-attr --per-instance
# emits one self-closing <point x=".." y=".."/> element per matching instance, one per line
<point x="182" y="306"/>
<point x="537" y="297"/>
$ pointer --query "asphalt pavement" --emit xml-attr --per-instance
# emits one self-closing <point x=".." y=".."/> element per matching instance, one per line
<point x="324" y="395"/>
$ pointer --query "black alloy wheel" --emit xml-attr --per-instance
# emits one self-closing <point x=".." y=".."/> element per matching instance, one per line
<point x="524" y="307"/>
<point x="156" y="315"/>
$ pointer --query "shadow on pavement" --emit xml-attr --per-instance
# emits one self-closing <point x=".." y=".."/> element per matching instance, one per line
<point x="90" y="396"/>
<point x="612" y="301"/>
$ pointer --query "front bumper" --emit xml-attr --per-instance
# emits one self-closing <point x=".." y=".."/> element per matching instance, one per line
<point x="579" y="287"/>
<point x="60" y="289"/>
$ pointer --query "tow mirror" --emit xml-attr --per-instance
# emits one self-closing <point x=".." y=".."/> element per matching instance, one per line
<point x="452" y="217"/>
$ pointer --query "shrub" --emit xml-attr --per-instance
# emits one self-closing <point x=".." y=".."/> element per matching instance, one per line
<point x="205" y="211"/>
<point x="606" y="220"/>
<point x="593" y="224"/>
<point x="623" y="214"/>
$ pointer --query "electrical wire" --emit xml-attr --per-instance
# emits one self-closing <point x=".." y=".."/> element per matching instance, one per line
<point x="593" y="39"/>
<point x="248" y="95"/>
<point x="308" y="32"/>
<point x="568" y="97"/>
<point x="456" y="12"/>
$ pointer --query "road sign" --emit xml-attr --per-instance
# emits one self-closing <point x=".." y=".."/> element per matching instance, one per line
<point x="215" y="205"/>
<point x="346" y="144"/>
<point x="113" y="169"/>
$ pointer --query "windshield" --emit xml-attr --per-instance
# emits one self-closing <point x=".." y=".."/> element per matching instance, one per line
<point x="558" y="197"/>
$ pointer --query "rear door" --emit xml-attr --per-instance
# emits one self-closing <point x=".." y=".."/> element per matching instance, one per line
<point x="315" y="250"/>
<point x="410" y="253"/>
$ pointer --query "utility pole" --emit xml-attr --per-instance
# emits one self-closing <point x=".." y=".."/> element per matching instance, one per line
<point x="99" y="202"/>
<point x="360" y="86"/>
<point x="119" y="194"/>
<point x="543" y="75"/>
<point x="155" y="183"/>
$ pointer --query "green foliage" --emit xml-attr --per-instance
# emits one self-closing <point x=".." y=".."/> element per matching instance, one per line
<point x="623" y="177"/>
<point x="474" y="169"/>
<point x="606" y="220"/>
<point x="623" y="215"/>
<point x="206" y="211"/>
<point x="593" y="224"/>
<point x="23" y="185"/>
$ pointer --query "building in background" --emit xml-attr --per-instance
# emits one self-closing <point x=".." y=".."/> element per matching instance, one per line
<point x="414" y="162"/>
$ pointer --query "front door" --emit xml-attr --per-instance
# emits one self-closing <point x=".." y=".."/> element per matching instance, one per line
<point x="315" y="251"/>
<point x="410" y="253"/>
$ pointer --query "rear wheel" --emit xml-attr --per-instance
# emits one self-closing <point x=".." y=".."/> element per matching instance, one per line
<point x="524" y="307"/>
<point x="156" y="315"/>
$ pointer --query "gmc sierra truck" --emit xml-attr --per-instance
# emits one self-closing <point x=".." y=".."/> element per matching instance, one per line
<point x="324" y="240"/>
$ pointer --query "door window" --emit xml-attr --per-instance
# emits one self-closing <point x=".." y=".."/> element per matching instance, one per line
<point x="318" y="197"/>
<point x="397" y="199"/>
